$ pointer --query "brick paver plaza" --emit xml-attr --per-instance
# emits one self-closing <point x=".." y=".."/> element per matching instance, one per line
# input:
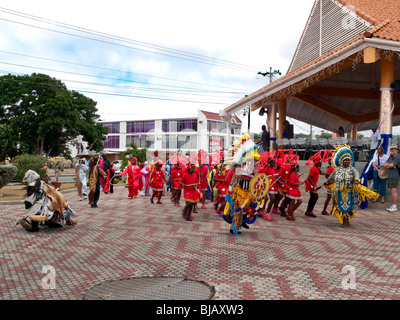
<point x="279" y="259"/>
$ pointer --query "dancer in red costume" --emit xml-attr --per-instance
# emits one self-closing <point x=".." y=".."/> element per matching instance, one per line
<point x="281" y="185"/>
<point x="135" y="175"/>
<point x="157" y="179"/>
<point x="223" y="180"/>
<point x="293" y="192"/>
<point x="203" y="173"/>
<point x="176" y="177"/>
<point x="272" y="174"/>
<point x="109" y="187"/>
<point x="191" y="193"/>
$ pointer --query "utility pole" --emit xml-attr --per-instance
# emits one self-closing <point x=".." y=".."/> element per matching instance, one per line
<point x="270" y="74"/>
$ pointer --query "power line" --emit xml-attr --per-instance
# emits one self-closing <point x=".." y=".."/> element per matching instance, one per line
<point x="109" y="78"/>
<point x="114" y="70"/>
<point x="176" y="53"/>
<point x="142" y="96"/>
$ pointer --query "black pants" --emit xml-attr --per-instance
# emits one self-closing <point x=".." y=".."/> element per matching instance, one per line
<point x="313" y="200"/>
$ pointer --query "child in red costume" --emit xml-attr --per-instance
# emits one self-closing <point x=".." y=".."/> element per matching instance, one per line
<point x="109" y="187"/>
<point x="281" y="185"/>
<point x="191" y="193"/>
<point x="223" y="180"/>
<point x="176" y="177"/>
<point x="157" y="179"/>
<point x="311" y="186"/>
<point x="293" y="192"/>
<point x="202" y="172"/>
<point x="272" y="174"/>
<point x="329" y="194"/>
<point x="135" y="176"/>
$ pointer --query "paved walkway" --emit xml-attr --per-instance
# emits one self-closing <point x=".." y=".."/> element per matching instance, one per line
<point x="125" y="238"/>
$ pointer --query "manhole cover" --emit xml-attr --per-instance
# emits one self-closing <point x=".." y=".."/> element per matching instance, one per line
<point x="150" y="289"/>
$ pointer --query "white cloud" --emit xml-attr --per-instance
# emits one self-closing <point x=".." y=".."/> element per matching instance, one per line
<point x="255" y="33"/>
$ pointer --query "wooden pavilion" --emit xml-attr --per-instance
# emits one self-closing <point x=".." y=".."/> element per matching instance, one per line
<point x="345" y="71"/>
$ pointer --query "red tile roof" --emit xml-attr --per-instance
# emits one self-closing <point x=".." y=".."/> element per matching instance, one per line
<point x="216" y="116"/>
<point x="383" y="13"/>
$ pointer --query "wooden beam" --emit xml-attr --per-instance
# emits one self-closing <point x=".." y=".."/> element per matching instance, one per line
<point x="343" y="92"/>
<point x="335" y="111"/>
<point x="370" y="55"/>
<point x="325" y="107"/>
<point x="346" y="93"/>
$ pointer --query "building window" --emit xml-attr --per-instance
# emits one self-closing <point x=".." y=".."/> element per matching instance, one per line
<point x="113" y="127"/>
<point x="188" y="125"/>
<point x="111" y="142"/>
<point x="216" y="126"/>
<point x="236" y="129"/>
<point x="140" y="126"/>
<point x="141" y="141"/>
<point x="181" y="141"/>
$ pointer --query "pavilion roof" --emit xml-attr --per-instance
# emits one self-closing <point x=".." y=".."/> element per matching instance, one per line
<point x="324" y="53"/>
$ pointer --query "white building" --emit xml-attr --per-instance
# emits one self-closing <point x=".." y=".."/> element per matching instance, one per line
<point x="208" y="131"/>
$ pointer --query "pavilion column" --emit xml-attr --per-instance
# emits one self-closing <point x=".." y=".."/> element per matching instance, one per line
<point x="282" y="118"/>
<point x="354" y="131"/>
<point x="386" y="104"/>
<point x="272" y="111"/>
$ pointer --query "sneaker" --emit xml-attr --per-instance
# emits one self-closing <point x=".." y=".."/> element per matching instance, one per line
<point x="310" y="214"/>
<point x="325" y="213"/>
<point x="291" y="218"/>
<point x="393" y="208"/>
<point x="276" y="211"/>
<point x="203" y="207"/>
<point x="283" y="214"/>
<point x="80" y="199"/>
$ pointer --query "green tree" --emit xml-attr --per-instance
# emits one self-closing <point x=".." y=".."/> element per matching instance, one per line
<point x="139" y="154"/>
<point x="40" y="115"/>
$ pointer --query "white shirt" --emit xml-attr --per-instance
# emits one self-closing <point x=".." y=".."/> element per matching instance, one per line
<point x="375" y="137"/>
<point x="382" y="159"/>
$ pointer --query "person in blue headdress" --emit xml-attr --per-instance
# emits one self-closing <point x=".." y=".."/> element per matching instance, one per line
<point x="345" y="186"/>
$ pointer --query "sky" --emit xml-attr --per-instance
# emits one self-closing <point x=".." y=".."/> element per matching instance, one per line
<point x="154" y="59"/>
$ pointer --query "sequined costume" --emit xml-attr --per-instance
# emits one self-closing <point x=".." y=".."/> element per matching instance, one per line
<point x="345" y="187"/>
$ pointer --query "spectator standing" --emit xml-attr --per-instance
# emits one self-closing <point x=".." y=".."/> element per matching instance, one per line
<point x="81" y="171"/>
<point x="392" y="165"/>
<point x="379" y="182"/>
<point x="375" y="140"/>
<point x="265" y="137"/>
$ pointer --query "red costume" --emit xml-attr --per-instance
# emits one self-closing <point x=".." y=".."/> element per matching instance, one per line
<point x="176" y="177"/>
<point x="157" y="179"/>
<point x="202" y="172"/>
<point x="283" y="178"/>
<point x="314" y="176"/>
<point x="293" y="191"/>
<point x="135" y="178"/>
<point x="190" y="182"/>
<point x="271" y="172"/>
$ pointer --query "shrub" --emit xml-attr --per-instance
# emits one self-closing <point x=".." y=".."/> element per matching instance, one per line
<point x="25" y="162"/>
<point x="7" y="174"/>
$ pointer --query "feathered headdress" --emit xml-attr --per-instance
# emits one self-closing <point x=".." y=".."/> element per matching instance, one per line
<point x="342" y="152"/>
<point x="243" y="150"/>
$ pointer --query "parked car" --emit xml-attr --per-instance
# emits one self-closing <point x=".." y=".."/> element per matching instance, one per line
<point x="117" y="166"/>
